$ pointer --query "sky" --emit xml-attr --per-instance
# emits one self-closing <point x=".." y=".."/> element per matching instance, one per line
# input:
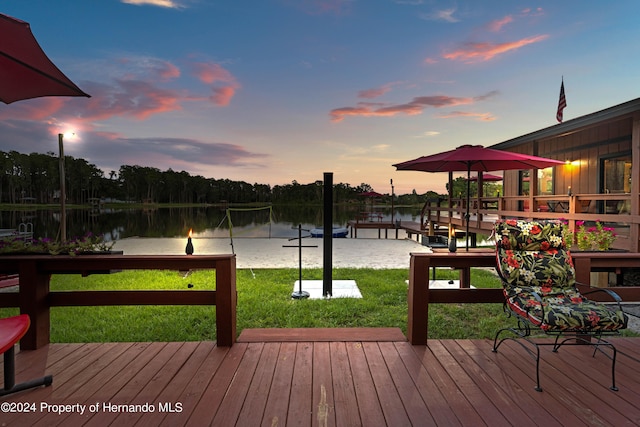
<point x="276" y="91"/>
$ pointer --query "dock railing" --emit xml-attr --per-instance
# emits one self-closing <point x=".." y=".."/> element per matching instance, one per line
<point x="420" y="296"/>
<point x="35" y="297"/>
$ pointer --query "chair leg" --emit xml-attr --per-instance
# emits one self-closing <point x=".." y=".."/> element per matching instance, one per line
<point x="10" y="385"/>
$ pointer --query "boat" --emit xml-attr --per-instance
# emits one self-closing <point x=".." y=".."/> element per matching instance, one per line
<point x="337" y="232"/>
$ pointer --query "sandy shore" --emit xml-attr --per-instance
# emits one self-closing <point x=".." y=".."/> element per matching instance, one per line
<point x="274" y="253"/>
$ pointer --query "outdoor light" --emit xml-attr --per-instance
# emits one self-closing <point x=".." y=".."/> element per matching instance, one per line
<point x="189" y="249"/>
<point x="453" y="243"/>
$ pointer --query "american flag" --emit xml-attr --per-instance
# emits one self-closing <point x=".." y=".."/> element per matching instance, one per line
<point x="562" y="103"/>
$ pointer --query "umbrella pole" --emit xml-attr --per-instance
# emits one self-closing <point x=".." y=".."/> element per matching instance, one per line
<point x="468" y="200"/>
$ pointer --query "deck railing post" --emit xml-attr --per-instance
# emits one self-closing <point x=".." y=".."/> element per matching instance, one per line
<point x="418" y="300"/>
<point x="226" y="301"/>
<point x="34" y="302"/>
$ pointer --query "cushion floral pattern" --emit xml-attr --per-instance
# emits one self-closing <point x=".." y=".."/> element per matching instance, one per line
<point x="539" y="279"/>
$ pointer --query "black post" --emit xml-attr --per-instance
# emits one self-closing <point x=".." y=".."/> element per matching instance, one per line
<point x="327" y="276"/>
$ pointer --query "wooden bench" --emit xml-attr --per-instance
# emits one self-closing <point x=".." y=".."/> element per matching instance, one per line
<point x="11" y="330"/>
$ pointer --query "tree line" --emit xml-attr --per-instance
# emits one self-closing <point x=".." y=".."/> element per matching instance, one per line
<point x="35" y="178"/>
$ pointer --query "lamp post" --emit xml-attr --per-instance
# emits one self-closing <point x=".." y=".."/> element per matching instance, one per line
<point x="63" y="191"/>
<point x="392" y="197"/>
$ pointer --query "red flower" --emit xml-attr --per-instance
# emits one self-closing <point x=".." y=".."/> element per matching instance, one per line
<point x="594" y="318"/>
<point x="536" y="229"/>
<point x="511" y="260"/>
<point x="511" y="222"/>
<point x="545" y="246"/>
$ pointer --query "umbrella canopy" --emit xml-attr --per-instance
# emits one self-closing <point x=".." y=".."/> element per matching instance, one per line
<point x="475" y="158"/>
<point x="487" y="177"/>
<point x="370" y="194"/>
<point x="25" y="70"/>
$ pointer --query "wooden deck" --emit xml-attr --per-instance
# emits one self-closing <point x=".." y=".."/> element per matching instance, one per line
<point x="319" y="377"/>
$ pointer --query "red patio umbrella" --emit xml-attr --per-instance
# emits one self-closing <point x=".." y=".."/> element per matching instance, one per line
<point x="25" y="70"/>
<point x="475" y="158"/>
<point x="370" y="194"/>
<point x="487" y="177"/>
<point x="25" y="73"/>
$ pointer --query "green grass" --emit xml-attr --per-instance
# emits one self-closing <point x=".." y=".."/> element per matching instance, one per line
<point x="264" y="301"/>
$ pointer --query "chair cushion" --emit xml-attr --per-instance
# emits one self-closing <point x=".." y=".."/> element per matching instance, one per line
<point x="533" y="254"/>
<point x="564" y="311"/>
<point x="532" y="260"/>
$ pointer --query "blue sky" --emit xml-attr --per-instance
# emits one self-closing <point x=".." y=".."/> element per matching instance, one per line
<point x="272" y="91"/>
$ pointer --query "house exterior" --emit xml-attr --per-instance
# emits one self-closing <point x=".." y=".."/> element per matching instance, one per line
<point x="598" y="180"/>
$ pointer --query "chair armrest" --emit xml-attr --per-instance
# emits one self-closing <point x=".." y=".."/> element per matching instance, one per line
<point x="616" y="298"/>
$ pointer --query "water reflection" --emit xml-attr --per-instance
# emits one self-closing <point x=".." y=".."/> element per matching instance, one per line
<point x="175" y="222"/>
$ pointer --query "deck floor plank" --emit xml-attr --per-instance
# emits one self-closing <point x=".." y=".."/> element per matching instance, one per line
<point x="368" y="397"/>
<point x="322" y="387"/>
<point x="563" y="382"/>
<point x="302" y="383"/>
<point x="236" y="393"/>
<point x="345" y="401"/>
<point x="300" y="412"/>
<point x="474" y="394"/>
<point x="255" y="403"/>
<point x="437" y="403"/>
<point x="459" y="406"/>
<point x="390" y="400"/>
<point x="514" y="382"/>
<point x="414" y="404"/>
<point x="477" y="370"/>
<point x="279" y="395"/>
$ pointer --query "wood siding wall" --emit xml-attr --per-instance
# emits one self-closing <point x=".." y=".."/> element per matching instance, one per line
<point x="586" y="146"/>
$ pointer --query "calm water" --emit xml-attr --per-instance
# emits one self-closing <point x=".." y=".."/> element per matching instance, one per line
<point x="176" y="222"/>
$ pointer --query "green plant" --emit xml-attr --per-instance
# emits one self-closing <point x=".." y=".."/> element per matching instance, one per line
<point x="597" y="237"/>
<point x="79" y="245"/>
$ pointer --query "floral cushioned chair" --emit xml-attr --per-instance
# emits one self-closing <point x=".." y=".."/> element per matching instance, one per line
<point x="539" y="286"/>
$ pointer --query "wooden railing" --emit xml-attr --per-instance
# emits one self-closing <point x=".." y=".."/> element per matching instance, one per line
<point x="35" y="297"/>
<point x="420" y="296"/>
<point x="614" y="208"/>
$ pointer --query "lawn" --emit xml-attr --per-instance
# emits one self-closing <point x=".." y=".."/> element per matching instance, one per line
<point x="264" y="301"/>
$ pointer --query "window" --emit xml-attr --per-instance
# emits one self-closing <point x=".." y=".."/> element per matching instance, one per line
<point x="545" y="181"/>
<point x="616" y="174"/>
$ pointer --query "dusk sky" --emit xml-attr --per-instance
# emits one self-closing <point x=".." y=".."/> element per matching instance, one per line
<point x="272" y="91"/>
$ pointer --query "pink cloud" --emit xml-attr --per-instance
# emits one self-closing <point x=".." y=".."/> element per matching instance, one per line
<point x="133" y="98"/>
<point x="416" y="106"/>
<point x="476" y="52"/>
<point x="211" y="73"/>
<point x="485" y="117"/>
<point x="532" y="12"/>
<point x="495" y="26"/>
<point x="373" y="93"/>
<point x="166" y="70"/>
<point x="222" y="95"/>
<point x="33" y="109"/>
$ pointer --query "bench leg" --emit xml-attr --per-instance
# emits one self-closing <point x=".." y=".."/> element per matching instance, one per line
<point x="10" y="385"/>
